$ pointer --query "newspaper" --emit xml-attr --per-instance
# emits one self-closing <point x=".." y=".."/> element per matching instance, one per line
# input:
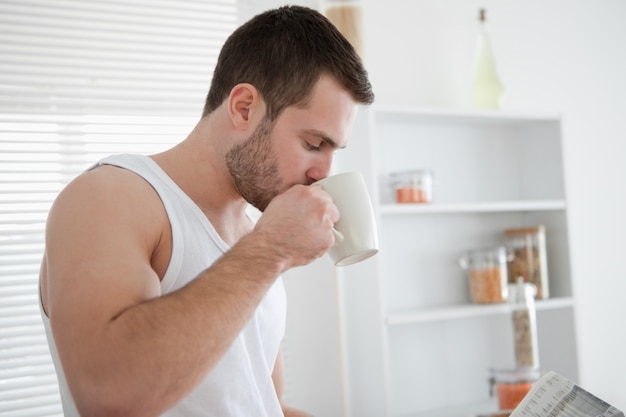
<point x="556" y="396"/>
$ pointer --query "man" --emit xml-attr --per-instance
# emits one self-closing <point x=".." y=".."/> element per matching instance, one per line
<point x="159" y="295"/>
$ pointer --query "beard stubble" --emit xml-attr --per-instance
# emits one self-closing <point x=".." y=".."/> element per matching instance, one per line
<point x="253" y="166"/>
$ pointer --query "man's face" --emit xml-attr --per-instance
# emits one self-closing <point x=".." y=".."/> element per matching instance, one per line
<point x="297" y="148"/>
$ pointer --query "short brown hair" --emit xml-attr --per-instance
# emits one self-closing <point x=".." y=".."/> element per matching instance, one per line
<point x="282" y="53"/>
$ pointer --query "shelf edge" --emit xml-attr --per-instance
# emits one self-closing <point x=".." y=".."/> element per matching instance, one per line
<point x="427" y="315"/>
<point x="487" y="207"/>
<point x="466" y="114"/>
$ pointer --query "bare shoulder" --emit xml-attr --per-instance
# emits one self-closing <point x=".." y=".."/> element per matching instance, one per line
<point x="107" y="195"/>
<point x="106" y="201"/>
<point x="105" y="182"/>
<point x="101" y="236"/>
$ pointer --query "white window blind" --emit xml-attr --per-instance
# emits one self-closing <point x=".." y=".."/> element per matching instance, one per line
<point x="80" y="80"/>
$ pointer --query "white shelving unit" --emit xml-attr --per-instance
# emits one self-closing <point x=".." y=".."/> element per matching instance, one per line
<point x="430" y="349"/>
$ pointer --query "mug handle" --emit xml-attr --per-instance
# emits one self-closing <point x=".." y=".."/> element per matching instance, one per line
<point x="338" y="235"/>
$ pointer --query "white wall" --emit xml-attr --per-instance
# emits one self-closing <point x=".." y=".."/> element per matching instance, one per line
<point x="562" y="55"/>
<point x="313" y="378"/>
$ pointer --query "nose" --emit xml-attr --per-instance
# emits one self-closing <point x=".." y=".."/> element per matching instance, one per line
<point x="321" y="168"/>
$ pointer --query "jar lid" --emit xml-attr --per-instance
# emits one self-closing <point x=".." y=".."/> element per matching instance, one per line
<point x="423" y="171"/>
<point x="525" y="230"/>
<point x="412" y="178"/>
<point x="521" y="291"/>
<point x="411" y="174"/>
<point x="517" y="375"/>
<point x="477" y="257"/>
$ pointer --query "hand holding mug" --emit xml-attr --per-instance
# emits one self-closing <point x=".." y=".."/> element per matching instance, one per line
<point x="297" y="224"/>
<point x="356" y="236"/>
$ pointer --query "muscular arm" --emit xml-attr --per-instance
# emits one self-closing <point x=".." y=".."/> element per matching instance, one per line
<point x="119" y="340"/>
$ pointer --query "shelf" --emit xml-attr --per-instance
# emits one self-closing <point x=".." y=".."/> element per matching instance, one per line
<point x="464" y="116"/>
<point x="486" y="207"/>
<point x="426" y="315"/>
<point x="493" y="170"/>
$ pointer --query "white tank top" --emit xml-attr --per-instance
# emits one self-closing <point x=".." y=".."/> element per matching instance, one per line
<point x="241" y="383"/>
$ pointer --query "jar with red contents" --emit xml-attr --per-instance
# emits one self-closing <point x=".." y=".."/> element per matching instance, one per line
<point x="413" y="186"/>
<point x="512" y="385"/>
<point x="487" y="274"/>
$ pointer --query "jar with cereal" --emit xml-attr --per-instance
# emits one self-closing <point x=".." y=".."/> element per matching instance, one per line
<point x="524" y="317"/>
<point x="527" y="257"/>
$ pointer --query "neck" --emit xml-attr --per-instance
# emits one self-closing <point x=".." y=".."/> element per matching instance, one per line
<point x="198" y="167"/>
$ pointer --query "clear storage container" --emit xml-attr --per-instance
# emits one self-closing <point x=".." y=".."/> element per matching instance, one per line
<point x="512" y="385"/>
<point x="487" y="272"/>
<point x="414" y="186"/>
<point x="528" y="258"/>
<point x="524" y="318"/>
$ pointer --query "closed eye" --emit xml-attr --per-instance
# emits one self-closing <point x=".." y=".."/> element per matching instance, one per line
<point x="313" y="147"/>
<point x="316" y="139"/>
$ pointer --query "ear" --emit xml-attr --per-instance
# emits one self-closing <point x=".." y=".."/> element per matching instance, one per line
<point x="244" y="106"/>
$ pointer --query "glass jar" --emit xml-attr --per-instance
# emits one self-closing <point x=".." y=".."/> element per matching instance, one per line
<point x="528" y="258"/>
<point x="487" y="274"/>
<point x="414" y="186"/>
<point x="524" y="317"/>
<point x="512" y="385"/>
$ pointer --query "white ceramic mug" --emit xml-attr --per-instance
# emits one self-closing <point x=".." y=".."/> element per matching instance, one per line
<point x="356" y="236"/>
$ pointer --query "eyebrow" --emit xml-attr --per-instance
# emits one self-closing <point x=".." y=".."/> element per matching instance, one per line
<point x="324" y="137"/>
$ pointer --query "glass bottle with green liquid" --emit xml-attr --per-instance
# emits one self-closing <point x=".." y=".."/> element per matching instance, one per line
<point x="487" y="88"/>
